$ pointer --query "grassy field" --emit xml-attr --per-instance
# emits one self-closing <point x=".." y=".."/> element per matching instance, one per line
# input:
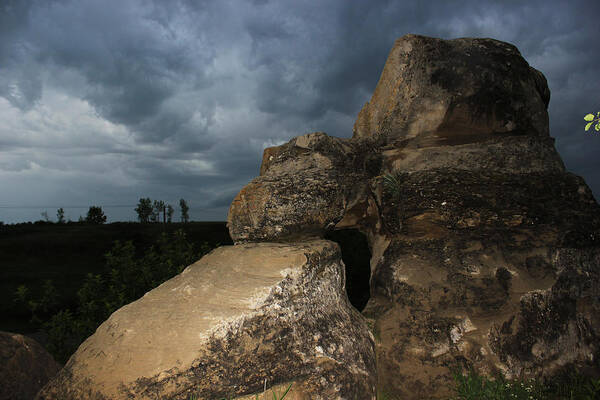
<point x="66" y="253"/>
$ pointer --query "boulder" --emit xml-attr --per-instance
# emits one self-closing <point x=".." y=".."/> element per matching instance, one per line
<point x="435" y="91"/>
<point x="493" y="270"/>
<point x="303" y="189"/>
<point x="241" y="316"/>
<point x="25" y="366"/>
<point x="484" y="248"/>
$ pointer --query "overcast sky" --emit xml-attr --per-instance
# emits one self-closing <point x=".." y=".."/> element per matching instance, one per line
<point x="103" y="102"/>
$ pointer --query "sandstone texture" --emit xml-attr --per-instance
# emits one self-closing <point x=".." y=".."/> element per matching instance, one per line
<point x="485" y="250"/>
<point x="302" y="191"/>
<point x="455" y="91"/>
<point x="239" y="316"/>
<point x="25" y="366"/>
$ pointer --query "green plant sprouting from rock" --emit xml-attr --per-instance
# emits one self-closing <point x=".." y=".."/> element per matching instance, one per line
<point x="256" y="398"/>
<point x="472" y="386"/>
<point x="393" y="185"/>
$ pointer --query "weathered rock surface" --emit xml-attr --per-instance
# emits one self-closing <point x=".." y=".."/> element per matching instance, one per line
<point x="521" y="299"/>
<point x="485" y="252"/>
<point x="303" y="190"/>
<point x="239" y="316"/>
<point x="25" y="366"/>
<point x="435" y="91"/>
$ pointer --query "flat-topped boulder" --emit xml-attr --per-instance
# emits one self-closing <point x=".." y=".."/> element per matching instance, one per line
<point x="239" y="316"/>
<point x="434" y="91"/>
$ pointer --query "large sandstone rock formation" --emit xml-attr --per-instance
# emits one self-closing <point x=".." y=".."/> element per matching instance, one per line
<point x="239" y="316"/>
<point x="485" y="251"/>
<point x="25" y="366"/>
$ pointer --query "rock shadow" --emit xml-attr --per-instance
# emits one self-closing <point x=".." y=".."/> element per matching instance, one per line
<point x="357" y="258"/>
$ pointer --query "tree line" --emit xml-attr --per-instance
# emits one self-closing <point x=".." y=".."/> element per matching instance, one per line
<point x="153" y="211"/>
<point x="95" y="215"/>
<point x="147" y="210"/>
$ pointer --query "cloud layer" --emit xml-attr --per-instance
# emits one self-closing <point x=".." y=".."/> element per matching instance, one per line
<point x="104" y="102"/>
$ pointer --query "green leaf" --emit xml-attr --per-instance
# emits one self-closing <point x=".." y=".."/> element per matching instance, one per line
<point x="589" y="117"/>
<point x="587" y="126"/>
<point x="597" y="127"/>
<point x="286" y="392"/>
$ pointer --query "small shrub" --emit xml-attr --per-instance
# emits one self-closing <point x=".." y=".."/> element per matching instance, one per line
<point x="392" y="185"/>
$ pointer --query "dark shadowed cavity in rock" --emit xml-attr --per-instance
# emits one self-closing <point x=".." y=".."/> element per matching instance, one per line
<point x="356" y="257"/>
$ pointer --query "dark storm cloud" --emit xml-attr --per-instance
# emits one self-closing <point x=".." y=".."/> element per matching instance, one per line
<point x="132" y="59"/>
<point x="147" y="98"/>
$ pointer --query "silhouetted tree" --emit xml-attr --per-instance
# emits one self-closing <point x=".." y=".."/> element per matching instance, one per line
<point x="95" y="215"/>
<point x="159" y="207"/>
<point x="170" y="211"/>
<point x="60" y="216"/>
<point x="45" y="215"/>
<point x="144" y="209"/>
<point x="185" y="217"/>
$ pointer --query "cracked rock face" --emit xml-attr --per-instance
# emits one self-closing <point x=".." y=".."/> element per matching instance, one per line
<point x="485" y="253"/>
<point x="239" y="316"/>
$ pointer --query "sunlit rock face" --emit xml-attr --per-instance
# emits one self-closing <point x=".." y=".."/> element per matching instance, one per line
<point x="486" y="250"/>
<point x="240" y="316"/>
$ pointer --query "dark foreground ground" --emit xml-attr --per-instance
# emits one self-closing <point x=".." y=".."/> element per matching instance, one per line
<point x="66" y="253"/>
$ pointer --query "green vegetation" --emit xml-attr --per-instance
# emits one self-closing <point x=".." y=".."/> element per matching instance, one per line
<point x="392" y="184"/>
<point x="264" y="393"/>
<point x="185" y="217"/>
<point x="591" y="119"/>
<point x="60" y="216"/>
<point x="33" y="253"/>
<point x="125" y="279"/>
<point x="571" y="386"/>
<point x="95" y="215"/>
<point x="144" y="210"/>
